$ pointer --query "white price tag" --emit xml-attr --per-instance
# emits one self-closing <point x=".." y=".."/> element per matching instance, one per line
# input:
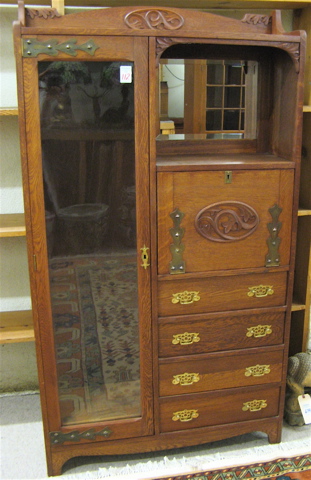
<point x="126" y="74"/>
<point x="305" y="406"/>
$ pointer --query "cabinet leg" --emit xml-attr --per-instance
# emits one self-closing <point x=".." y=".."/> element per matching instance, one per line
<point x="55" y="466"/>
<point x="275" y="434"/>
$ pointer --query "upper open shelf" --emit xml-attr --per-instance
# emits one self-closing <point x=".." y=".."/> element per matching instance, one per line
<point x="200" y="4"/>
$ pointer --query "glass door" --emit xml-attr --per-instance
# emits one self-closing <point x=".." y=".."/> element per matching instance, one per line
<point x="94" y="180"/>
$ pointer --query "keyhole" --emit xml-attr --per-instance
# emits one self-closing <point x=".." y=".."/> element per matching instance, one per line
<point x="228" y="176"/>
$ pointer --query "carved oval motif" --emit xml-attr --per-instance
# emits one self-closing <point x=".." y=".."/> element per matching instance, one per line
<point x="227" y="221"/>
<point x="154" y="19"/>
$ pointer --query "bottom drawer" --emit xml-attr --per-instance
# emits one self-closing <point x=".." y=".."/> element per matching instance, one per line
<point x="201" y="410"/>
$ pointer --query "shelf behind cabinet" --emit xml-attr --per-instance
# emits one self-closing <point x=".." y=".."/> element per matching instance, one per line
<point x="8" y="111"/>
<point x="16" y="326"/>
<point x="12" y="225"/>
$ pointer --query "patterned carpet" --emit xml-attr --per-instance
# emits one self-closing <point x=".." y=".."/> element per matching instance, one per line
<point x="297" y="468"/>
<point x="94" y="304"/>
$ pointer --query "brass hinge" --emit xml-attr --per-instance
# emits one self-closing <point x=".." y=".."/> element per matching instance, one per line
<point x="31" y="47"/>
<point x="35" y="266"/>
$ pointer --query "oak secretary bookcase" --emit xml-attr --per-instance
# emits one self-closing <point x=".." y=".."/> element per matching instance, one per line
<point x="161" y="265"/>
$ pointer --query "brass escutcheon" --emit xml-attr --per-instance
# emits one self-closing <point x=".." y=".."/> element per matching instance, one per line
<point x="185" y="298"/>
<point x="260" y="291"/>
<point x="254" y="405"/>
<point x="257" y="370"/>
<point x="259" y="331"/>
<point x="185" y="415"/>
<point x="185" y="338"/>
<point x="185" y="379"/>
<point x="145" y="257"/>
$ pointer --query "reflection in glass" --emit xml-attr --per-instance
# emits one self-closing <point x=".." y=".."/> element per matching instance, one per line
<point x="87" y="132"/>
<point x="232" y="97"/>
<point x="214" y="97"/>
<point x="213" y="120"/>
<point x="234" y="73"/>
<point x="214" y="73"/>
<point x="231" y="120"/>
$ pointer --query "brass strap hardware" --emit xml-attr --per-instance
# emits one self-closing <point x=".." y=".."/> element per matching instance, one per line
<point x="254" y="405"/>
<point x="185" y="298"/>
<point x="145" y="257"/>
<point x="260" y="291"/>
<point x="185" y="415"/>
<point x="177" y="264"/>
<point x="58" y="438"/>
<point x="259" y="331"/>
<point x="185" y="379"/>
<point x="32" y="47"/>
<point x="257" y="370"/>
<point x="273" y="242"/>
<point x="185" y="338"/>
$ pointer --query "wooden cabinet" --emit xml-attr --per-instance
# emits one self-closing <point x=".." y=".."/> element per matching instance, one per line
<point x="161" y="265"/>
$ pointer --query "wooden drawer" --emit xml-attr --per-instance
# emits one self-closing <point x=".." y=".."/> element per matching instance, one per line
<point x="186" y="296"/>
<point x="218" y="408"/>
<point x="225" y="225"/>
<point x="217" y="332"/>
<point x="203" y="373"/>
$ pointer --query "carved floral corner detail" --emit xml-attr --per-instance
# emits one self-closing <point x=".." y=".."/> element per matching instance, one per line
<point x="42" y="12"/>
<point x="292" y="48"/>
<point x="162" y="43"/>
<point x="255" y="19"/>
<point x="155" y="19"/>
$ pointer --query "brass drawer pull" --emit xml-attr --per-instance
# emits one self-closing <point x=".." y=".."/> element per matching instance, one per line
<point x="259" y="331"/>
<point x="254" y="405"/>
<point x="185" y="379"/>
<point x="185" y="338"/>
<point x="257" y="370"/>
<point x="185" y="415"/>
<point x="185" y="298"/>
<point x="260" y="291"/>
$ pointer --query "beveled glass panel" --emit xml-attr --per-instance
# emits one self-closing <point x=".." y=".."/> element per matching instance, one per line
<point x="88" y="155"/>
<point x="198" y="98"/>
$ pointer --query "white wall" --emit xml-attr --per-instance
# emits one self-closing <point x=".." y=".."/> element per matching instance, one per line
<point x="18" y="369"/>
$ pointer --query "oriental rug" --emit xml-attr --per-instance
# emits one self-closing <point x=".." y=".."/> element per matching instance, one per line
<point x="94" y="306"/>
<point x="297" y="468"/>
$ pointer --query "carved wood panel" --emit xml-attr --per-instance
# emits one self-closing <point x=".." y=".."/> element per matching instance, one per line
<point x="227" y="221"/>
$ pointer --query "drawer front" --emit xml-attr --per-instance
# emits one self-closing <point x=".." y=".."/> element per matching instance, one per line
<point x="224" y="225"/>
<point x="214" y="294"/>
<point x="214" y="372"/>
<point x="220" y="332"/>
<point x="218" y="408"/>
